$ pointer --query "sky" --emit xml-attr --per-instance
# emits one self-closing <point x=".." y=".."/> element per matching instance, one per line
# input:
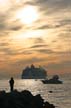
<point x="35" y="32"/>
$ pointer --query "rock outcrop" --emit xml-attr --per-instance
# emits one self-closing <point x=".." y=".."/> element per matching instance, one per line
<point x="22" y="99"/>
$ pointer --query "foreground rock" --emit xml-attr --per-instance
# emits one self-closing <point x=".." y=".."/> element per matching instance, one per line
<point x="22" y="99"/>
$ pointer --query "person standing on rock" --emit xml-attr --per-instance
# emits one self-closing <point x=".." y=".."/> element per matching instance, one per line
<point x="11" y="82"/>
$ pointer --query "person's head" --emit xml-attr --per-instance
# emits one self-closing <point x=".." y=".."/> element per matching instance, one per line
<point x="11" y="78"/>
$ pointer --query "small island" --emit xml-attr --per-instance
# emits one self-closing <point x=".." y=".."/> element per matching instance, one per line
<point x="33" y="72"/>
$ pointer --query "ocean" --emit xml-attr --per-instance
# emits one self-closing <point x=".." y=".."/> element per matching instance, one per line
<point x="60" y="96"/>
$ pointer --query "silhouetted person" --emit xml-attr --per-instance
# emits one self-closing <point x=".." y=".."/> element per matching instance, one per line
<point x="11" y="82"/>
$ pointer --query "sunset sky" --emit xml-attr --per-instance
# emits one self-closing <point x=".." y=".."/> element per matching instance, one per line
<point x="35" y="32"/>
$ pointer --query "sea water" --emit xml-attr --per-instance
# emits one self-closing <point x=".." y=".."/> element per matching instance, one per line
<point x="60" y="95"/>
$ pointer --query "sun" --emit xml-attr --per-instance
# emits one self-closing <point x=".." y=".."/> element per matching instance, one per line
<point x="27" y="15"/>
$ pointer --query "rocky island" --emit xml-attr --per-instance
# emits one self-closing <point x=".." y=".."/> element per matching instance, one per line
<point x="33" y="72"/>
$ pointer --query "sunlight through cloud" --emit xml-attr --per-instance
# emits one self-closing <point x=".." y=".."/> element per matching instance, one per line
<point x="27" y="15"/>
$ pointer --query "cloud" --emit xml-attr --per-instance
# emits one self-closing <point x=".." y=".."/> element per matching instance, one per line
<point x="38" y="46"/>
<point x="44" y="27"/>
<point x="65" y="66"/>
<point x="16" y="27"/>
<point x="2" y="22"/>
<point x="6" y="22"/>
<point x="4" y="44"/>
<point x="54" y="3"/>
<point x="38" y="40"/>
<point x="30" y="60"/>
<point x="45" y="51"/>
<point x="54" y="43"/>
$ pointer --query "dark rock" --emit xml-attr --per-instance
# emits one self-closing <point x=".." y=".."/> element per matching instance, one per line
<point x="48" y="105"/>
<point x="22" y="99"/>
<point x="50" y="91"/>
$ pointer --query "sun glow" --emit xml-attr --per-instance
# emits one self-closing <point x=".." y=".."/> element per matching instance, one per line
<point x="28" y="15"/>
<point x="2" y="1"/>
